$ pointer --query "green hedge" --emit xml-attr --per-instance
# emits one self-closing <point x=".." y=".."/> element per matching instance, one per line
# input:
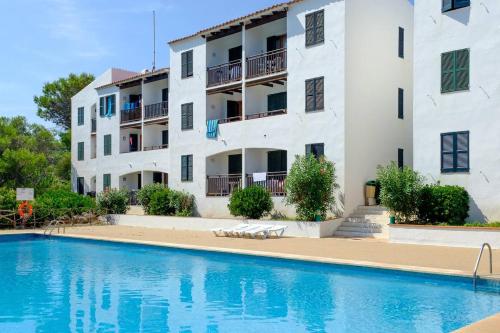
<point x="252" y="202"/>
<point x="443" y="204"/>
<point x="60" y="202"/>
<point x="113" y="202"/>
<point x="145" y="193"/>
<point x="159" y="200"/>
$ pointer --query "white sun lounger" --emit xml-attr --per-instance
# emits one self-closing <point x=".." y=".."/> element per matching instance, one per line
<point x="229" y="231"/>
<point x="266" y="230"/>
<point x="247" y="231"/>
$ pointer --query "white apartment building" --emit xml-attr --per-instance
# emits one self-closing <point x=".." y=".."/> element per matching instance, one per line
<point x="326" y="77"/>
<point x="457" y="98"/>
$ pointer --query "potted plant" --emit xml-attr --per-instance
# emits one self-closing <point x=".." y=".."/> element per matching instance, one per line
<point x="370" y="193"/>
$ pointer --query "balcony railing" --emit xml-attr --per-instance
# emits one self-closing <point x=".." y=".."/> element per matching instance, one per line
<point x="230" y="120"/>
<point x="157" y="110"/>
<point x="265" y="114"/>
<point x="266" y="63"/>
<point x="223" y="185"/>
<point x="274" y="183"/>
<point x="225" y="73"/>
<point x="128" y="116"/>
<point x="165" y="146"/>
<point x="93" y="125"/>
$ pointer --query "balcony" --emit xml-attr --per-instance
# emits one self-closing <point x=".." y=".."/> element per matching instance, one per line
<point x="93" y="128"/>
<point x="266" y="63"/>
<point x="274" y="183"/>
<point x="158" y="147"/>
<point x="158" y="110"/>
<point x="131" y="112"/>
<point x="223" y="74"/>
<point x="265" y="114"/>
<point x="223" y="185"/>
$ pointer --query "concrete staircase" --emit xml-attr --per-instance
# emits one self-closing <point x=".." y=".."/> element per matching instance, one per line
<point x="366" y="222"/>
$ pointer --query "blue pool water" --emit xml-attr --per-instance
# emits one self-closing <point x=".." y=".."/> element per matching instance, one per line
<point x="65" y="285"/>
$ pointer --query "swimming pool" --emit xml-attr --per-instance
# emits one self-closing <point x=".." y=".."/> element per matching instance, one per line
<point x="62" y="285"/>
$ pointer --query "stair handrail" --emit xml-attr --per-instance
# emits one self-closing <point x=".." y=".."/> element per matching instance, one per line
<point x="478" y="261"/>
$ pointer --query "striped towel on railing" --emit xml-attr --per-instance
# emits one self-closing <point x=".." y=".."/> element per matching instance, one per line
<point x="212" y="128"/>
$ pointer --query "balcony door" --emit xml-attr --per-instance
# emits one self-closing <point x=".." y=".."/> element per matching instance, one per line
<point x="234" y="166"/>
<point x="80" y="184"/>
<point x="276" y="161"/>
<point x="276" y="43"/>
<point x="233" y="109"/>
<point x="276" y="101"/>
<point x="235" y="53"/>
<point x="134" y="142"/>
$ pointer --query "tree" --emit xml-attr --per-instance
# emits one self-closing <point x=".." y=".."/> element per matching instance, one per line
<point x="310" y="187"/>
<point x="55" y="102"/>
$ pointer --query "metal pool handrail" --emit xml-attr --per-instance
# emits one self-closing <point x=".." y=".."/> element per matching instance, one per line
<point x="474" y="275"/>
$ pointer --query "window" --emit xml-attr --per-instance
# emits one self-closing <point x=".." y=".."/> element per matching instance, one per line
<point x="317" y="149"/>
<point x="81" y="116"/>
<point x="187" y="116"/>
<point x="187" y="64"/>
<point x="315" y="33"/>
<point x="107" y="145"/>
<point x="455" y="71"/>
<point x="401" y="103"/>
<point x="187" y="168"/>
<point x="81" y="151"/>
<point x="164" y="138"/>
<point x="106" y="182"/>
<point x="454" y="4"/>
<point x="107" y="106"/>
<point x="80" y="185"/>
<point x="401" y="158"/>
<point x="276" y="161"/>
<point x="314" y="94"/>
<point x="276" y="101"/>
<point x="455" y="152"/>
<point x="401" y="43"/>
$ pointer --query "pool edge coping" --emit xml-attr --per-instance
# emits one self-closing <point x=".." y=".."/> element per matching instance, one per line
<point x="278" y="255"/>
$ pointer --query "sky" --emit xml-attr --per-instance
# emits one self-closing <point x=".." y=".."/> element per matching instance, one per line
<point x="44" y="40"/>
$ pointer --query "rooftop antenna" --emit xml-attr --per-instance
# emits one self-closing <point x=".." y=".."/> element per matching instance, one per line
<point x="154" y="40"/>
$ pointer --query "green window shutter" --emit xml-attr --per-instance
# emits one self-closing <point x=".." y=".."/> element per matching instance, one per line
<point x="317" y="149"/>
<point x="190" y="167"/>
<point x="447" y="5"/>
<point x="401" y="43"/>
<point x="462" y="151"/>
<point x="190" y="116"/>
<point x="164" y="137"/>
<point x="276" y="101"/>
<point x="310" y="97"/>
<point x="308" y="150"/>
<point x="187" y="168"/>
<point x="106" y="181"/>
<point x="447" y="152"/>
<point x="184" y="116"/>
<point x="101" y="106"/>
<point x="190" y="63"/>
<point x="107" y="145"/>
<point x="81" y="148"/>
<point x="320" y="27"/>
<point x="81" y="116"/>
<point x="319" y="97"/>
<point x="309" y="29"/>
<point x="462" y="69"/>
<point x="448" y="72"/>
<point x="184" y="65"/>
<point x="113" y="104"/>
<point x="187" y="64"/>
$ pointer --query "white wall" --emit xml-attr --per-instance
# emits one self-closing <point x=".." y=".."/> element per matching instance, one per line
<point x="152" y="92"/>
<point x="475" y="110"/>
<point x="374" y="72"/>
<point x="256" y="38"/>
<point x="218" y="50"/>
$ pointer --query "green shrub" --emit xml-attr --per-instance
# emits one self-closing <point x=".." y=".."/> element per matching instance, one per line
<point x="55" y="203"/>
<point x="183" y="203"/>
<point x="144" y="195"/>
<point x="483" y="224"/>
<point x="252" y="202"/>
<point x="167" y="202"/>
<point x="113" y="202"/>
<point x="400" y="190"/>
<point x="310" y="187"/>
<point x="443" y="204"/>
<point x="7" y="199"/>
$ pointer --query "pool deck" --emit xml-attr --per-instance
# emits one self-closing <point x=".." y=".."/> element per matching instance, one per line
<point x="349" y="251"/>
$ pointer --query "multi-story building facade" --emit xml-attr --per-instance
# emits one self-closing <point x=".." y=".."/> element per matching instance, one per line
<point x="120" y="132"/>
<point x="457" y="98"/>
<point x="330" y="78"/>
